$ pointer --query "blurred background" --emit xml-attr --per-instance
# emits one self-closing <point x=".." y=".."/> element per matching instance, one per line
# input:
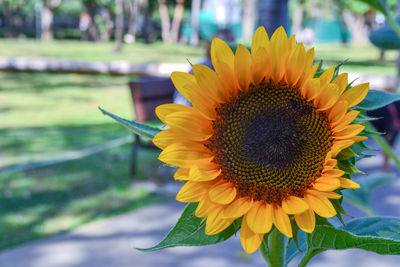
<point x="64" y="165"/>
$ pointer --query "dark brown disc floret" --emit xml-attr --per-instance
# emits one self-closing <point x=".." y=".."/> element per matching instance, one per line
<point x="270" y="142"/>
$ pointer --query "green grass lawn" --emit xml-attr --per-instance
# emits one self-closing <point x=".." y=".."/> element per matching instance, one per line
<point x="46" y="115"/>
<point x="80" y="50"/>
<point x="364" y="59"/>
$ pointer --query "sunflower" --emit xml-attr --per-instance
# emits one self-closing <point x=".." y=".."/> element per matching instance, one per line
<point x="261" y="139"/>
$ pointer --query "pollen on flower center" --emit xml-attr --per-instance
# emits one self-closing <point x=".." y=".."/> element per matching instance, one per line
<point x="270" y="142"/>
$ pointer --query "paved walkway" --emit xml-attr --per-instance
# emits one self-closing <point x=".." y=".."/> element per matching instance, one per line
<point x="112" y="242"/>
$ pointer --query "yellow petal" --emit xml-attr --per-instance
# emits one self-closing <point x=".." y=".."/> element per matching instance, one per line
<point x="332" y="195"/>
<point x="355" y="94"/>
<point x="306" y="221"/>
<point x="192" y="191"/>
<point x="326" y="76"/>
<point x="311" y="89"/>
<point x="250" y="240"/>
<point x="182" y="156"/>
<point x="327" y="184"/>
<point x="221" y="52"/>
<point x="223" y="193"/>
<point x="215" y="223"/>
<point x="282" y="221"/>
<point x="349" y="131"/>
<point x="228" y="80"/>
<point x="182" y="174"/>
<point x="327" y="97"/>
<point x="332" y="172"/>
<point x="279" y="52"/>
<point x="237" y="208"/>
<point x="260" y="65"/>
<point x="209" y="82"/>
<point x="260" y="40"/>
<point x="186" y="84"/>
<point x="359" y="138"/>
<point x="205" y="207"/>
<point x="337" y="112"/>
<point x="197" y="174"/>
<point x="294" y="67"/>
<point x="341" y="81"/>
<point x="259" y="217"/>
<point x="190" y="125"/>
<point x="348" y="118"/>
<point x="347" y="183"/>
<point x="222" y="59"/>
<point x="162" y="111"/>
<point x="165" y="138"/>
<point x="242" y="66"/>
<point x="320" y="205"/>
<point x="294" y="205"/>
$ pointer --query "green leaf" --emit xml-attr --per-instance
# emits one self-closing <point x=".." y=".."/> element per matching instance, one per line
<point x="137" y="128"/>
<point x="360" y="197"/>
<point x="189" y="231"/>
<point x="376" y="234"/>
<point x="377" y="99"/>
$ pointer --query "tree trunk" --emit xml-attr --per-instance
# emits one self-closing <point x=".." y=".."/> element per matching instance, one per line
<point x="340" y="17"/>
<point x="194" y="37"/>
<point x="133" y="7"/>
<point x="298" y="15"/>
<point x="146" y="26"/>
<point x="357" y="27"/>
<point x="272" y="14"/>
<point x="119" y="25"/>
<point x="92" y="33"/>
<point x="176" y="22"/>
<point x="47" y="22"/>
<point x="249" y="13"/>
<point x="165" y="23"/>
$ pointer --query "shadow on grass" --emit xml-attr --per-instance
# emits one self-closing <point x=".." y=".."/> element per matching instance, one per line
<point x="34" y="143"/>
<point x="58" y="198"/>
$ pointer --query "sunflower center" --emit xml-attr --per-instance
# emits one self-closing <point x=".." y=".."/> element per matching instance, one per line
<point x="270" y="142"/>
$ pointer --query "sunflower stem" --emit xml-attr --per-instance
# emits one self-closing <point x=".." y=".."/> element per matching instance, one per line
<point x="273" y="249"/>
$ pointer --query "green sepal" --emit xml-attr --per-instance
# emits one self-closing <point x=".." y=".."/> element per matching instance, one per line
<point x="339" y="210"/>
<point x="360" y="149"/>
<point x="321" y="220"/>
<point x="190" y="231"/>
<point x="337" y="68"/>
<point x="294" y="250"/>
<point x="346" y="154"/>
<point x="366" y="132"/>
<point x="348" y="167"/>
<point x="362" y="118"/>
<point x="135" y="127"/>
<point x="295" y="230"/>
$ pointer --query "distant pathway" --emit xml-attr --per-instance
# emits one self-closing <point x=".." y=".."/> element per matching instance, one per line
<point x="119" y="67"/>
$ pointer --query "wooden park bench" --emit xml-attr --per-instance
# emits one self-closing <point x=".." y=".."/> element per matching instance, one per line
<point x="147" y="94"/>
